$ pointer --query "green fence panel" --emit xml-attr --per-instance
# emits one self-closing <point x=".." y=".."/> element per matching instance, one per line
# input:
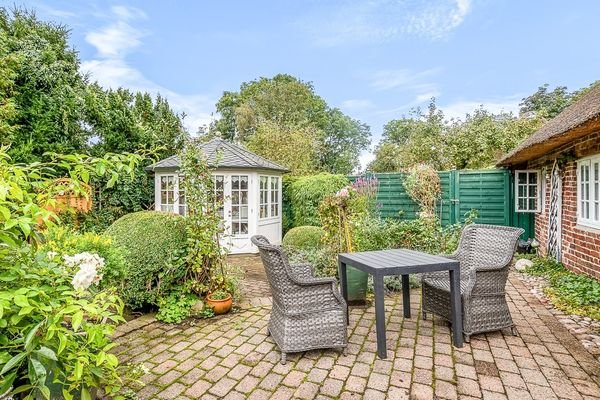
<point x="484" y="191"/>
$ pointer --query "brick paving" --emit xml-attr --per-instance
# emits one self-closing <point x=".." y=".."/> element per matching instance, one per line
<point x="232" y="357"/>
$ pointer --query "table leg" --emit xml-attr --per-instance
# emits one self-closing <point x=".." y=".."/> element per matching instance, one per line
<point x="406" y="295"/>
<point x="456" y="307"/>
<point x="380" y="316"/>
<point x="344" y="287"/>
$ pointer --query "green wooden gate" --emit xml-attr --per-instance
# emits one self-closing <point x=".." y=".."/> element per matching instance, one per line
<point x="490" y="192"/>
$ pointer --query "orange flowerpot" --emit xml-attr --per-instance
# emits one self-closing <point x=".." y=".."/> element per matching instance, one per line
<point x="220" y="306"/>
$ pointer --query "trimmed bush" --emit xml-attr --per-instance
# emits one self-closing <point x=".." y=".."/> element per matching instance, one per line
<point x="154" y="245"/>
<point x="304" y="237"/>
<point x="307" y="192"/>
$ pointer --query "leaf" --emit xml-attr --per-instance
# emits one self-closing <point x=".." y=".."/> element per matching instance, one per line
<point x="62" y="342"/>
<point x="78" y="370"/>
<point x="5" y="213"/>
<point x="21" y="300"/>
<point x="47" y="353"/>
<point x="7" y="382"/>
<point x="13" y="362"/>
<point x="101" y="358"/>
<point x="85" y="394"/>
<point x="76" y="320"/>
<point x="30" y="335"/>
<point x="40" y="370"/>
<point x="67" y="395"/>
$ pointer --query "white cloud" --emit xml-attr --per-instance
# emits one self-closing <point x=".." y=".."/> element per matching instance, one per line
<point x="459" y="109"/>
<point x="358" y="21"/>
<point x="393" y="78"/>
<point x="110" y="68"/>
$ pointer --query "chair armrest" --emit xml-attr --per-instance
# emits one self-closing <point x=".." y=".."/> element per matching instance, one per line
<point x="492" y="267"/>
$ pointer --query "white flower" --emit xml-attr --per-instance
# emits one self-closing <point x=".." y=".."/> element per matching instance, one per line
<point x="89" y="264"/>
<point x="51" y="255"/>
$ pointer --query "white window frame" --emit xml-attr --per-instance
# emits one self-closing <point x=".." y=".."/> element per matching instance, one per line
<point x="263" y="202"/>
<point x="538" y="197"/>
<point x="174" y="207"/>
<point x="273" y="197"/>
<point x="592" y="219"/>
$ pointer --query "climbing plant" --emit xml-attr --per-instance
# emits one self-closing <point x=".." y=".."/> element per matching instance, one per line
<point x="422" y="183"/>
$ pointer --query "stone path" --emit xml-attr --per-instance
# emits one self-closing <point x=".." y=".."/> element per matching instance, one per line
<point x="233" y="358"/>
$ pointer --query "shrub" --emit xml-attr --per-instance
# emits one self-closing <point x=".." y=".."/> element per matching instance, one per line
<point x="307" y="192"/>
<point x="154" y="245"/>
<point x="304" y="237"/>
<point x="67" y="242"/>
<point x="568" y="291"/>
<point x="422" y="184"/>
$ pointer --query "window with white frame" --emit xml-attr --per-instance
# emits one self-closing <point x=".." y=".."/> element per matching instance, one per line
<point x="167" y="193"/>
<point x="588" y="192"/>
<point x="269" y="196"/>
<point x="274" y="196"/>
<point x="527" y="191"/>
<point x="181" y="196"/>
<point x="219" y="186"/>
<point x="239" y="204"/>
<point x="264" y="197"/>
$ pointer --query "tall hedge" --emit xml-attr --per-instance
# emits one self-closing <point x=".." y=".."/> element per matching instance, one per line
<point x="154" y="245"/>
<point x="307" y="192"/>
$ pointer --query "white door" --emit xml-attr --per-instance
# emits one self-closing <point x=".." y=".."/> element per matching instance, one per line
<point x="235" y="190"/>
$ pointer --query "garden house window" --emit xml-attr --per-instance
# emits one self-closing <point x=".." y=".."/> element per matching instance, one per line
<point x="219" y="186"/>
<point x="181" y="196"/>
<point x="167" y="193"/>
<point x="269" y="196"/>
<point x="239" y="204"/>
<point x="274" y="196"/>
<point x="264" y="196"/>
<point x="527" y="189"/>
<point x="588" y="192"/>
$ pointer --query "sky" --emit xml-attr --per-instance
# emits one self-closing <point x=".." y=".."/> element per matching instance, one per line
<point x="373" y="59"/>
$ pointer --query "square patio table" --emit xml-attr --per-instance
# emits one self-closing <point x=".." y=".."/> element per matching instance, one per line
<point x="402" y="262"/>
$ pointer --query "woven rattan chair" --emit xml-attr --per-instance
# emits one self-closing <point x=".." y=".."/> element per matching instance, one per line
<point x="308" y="313"/>
<point x="485" y="253"/>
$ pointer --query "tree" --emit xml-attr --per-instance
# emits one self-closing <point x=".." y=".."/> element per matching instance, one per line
<point x="285" y="104"/>
<point x="343" y="140"/>
<point x="41" y="87"/>
<point x="418" y="139"/>
<point x="546" y="104"/>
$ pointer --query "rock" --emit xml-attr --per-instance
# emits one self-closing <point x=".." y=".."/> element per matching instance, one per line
<point x="523" y="264"/>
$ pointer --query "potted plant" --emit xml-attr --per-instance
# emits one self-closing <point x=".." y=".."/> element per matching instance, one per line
<point x="220" y="301"/>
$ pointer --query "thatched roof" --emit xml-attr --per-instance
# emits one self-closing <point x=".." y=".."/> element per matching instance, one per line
<point x="577" y="120"/>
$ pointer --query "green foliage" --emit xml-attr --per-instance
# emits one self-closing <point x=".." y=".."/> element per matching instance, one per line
<point x="307" y="192"/>
<point x="283" y="119"/>
<point x="571" y="292"/>
<point x="66" y="242"/>
<point x="55" y="323"/>
<point x="219" y="295"/>
<point x="175" y="307"/>
<point x="155" y="246"/>
<point x="422" y="184"/>
<point x="478" y="141"/>
<point x="49" y="331"/>
<point x="304" y="237"/>
<point x="323" y="260"/>
<point x="205" y="256"/>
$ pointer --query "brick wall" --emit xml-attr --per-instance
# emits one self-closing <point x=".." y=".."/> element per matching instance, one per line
<point x="580" y="245"/>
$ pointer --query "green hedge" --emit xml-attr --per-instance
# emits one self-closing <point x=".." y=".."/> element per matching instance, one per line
<point x="307" y="192"/>
<point x="304" y="237"/>
<point x="154" y="246"/>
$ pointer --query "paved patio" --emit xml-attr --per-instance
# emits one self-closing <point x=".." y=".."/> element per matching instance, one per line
<point x="232" y="358"/>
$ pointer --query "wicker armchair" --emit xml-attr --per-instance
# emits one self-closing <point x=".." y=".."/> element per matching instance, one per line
<point x="485" y="253"/>
<point x="308" y="313"/>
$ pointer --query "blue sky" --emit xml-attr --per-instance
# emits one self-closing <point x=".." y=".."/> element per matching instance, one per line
<point x="373" y="59"/>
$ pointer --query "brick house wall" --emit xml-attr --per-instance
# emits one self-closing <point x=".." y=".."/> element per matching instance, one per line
<point x="580" y="245"/>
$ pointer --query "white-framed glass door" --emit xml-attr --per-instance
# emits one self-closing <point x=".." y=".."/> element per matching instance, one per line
<point x="239" y="215"/>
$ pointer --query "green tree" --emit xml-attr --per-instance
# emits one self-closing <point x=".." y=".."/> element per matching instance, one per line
<point x="286" y="105"/>
<point x="41" y="87"/>
<point x="343" y="140"/>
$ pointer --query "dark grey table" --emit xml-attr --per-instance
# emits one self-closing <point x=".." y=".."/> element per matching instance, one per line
<point x="402" y="262"/>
